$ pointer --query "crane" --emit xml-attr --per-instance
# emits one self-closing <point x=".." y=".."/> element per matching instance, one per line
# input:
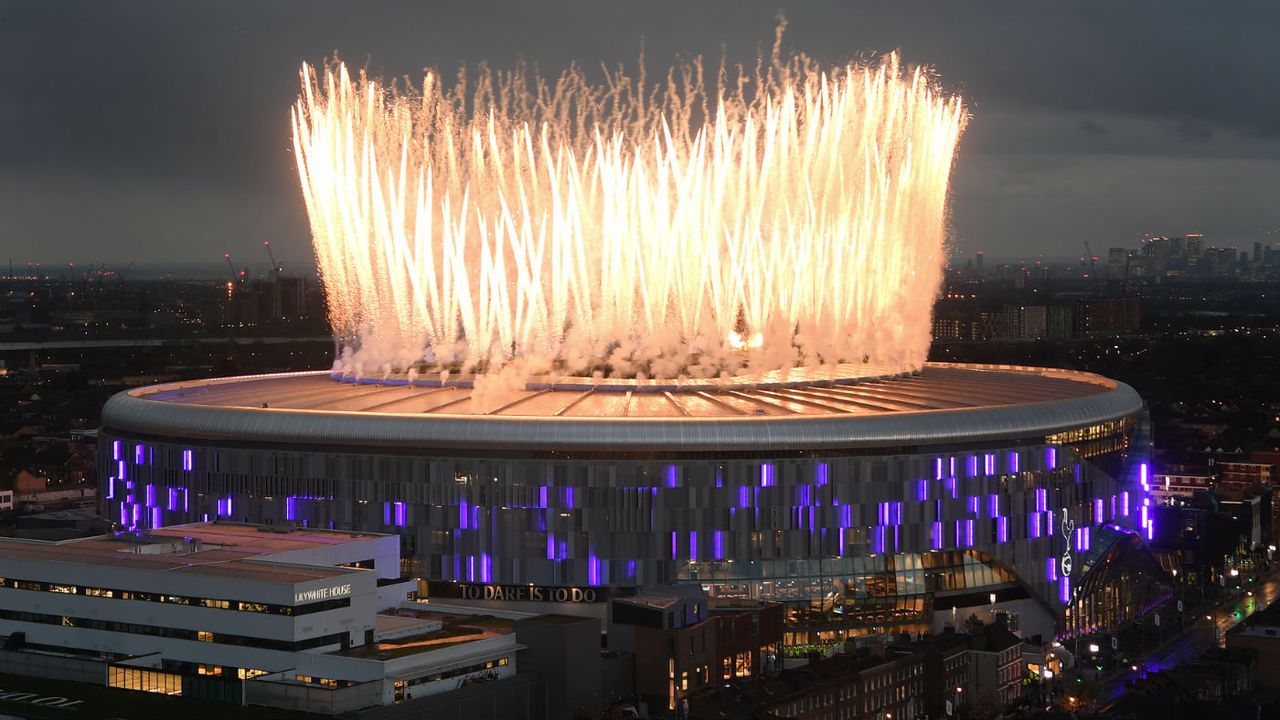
<point x="125" y="274"/>
<point x="276" y="267"/>
<point x="1089" y="255"/>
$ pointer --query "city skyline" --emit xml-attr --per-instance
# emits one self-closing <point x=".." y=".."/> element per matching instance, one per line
<point x="128" y="133"/>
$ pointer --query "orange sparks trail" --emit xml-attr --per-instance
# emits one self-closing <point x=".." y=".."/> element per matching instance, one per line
<point x="789" y="216"/>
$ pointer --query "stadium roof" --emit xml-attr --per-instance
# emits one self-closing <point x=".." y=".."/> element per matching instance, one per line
<point x="940" y="404"/>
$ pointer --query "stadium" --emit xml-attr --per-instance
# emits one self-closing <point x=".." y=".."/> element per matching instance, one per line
<point x="865" y="502"/>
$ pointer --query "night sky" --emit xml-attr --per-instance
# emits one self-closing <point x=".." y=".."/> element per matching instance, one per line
<point x="161" y="129"/>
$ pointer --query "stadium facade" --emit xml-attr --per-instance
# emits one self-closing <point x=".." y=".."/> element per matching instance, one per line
<point x="865" y="504"/>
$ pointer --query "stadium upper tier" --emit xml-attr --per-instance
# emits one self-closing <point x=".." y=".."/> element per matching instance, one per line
<point x="942" y="403"/>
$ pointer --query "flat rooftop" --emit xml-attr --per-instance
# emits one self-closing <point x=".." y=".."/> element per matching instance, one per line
<point x="224" y="550"/>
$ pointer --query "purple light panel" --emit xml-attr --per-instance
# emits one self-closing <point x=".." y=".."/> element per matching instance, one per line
<point x="1014" y="462"/>
<point x="935" y="536"/>
<point x="1124" y="503"/>
<point x="766" y="475"/>
<point x="1065" y="589"/>
<point x="1051" y="567"/>
<point x="673" y="476"/>
<point x="1098" y="518"/>
<point x="1042" y="499"/>
<point x="922" y="490"/>
<point x="823" y="474"/>
<point x="1051" y="458"/>
<point x="187" y="460"/>
<point x="115" y="449"/>
<point x="993" y="505"/>
<point x="1002" y="529"/>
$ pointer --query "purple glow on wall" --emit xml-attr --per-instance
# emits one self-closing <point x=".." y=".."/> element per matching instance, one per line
<point x="1151" y="528"/>
<point x="935" y="536"/>
<point x="989" y="463"/>
<point x="937" y="469"/>
<point x="744" y="497"/>
<point x="1051" y="565"/>
<point x="1098" y="515"/>
<point x="631" y="568"/>
<point x="568" y="497"/>
<point x="139" y="452"/>
<point x="1002" y="529"/>
<point x="1113" y="507"/>
<point x="1042" y="499"/>
<point x="471" y="568"/>
<point x="993" y="505"/>
<point x="151" y="495"/>
<point x="115" y="449"/>
<point x="593" y="569"/>
<point x="973" y="504"/>
<point x="1144" y="516"/>
<point x="673" y="476"/>
<point x="1033" y="525"/>
<point x="187" y="460"/>
<point x="1065" y="589"/>
<point x="1124" y="503"/>
<point x="400" y="514"/>
<point x="156" y="518"/>
<point x="121" y="470"/>
<point x="952" y="464"/>
<point x="486" y="568"/>
<point x="973" y="466"/>
<point x="542" y="496"/>
<point x="1051" y="458"/>
<point x="693" y="544"/>
<point x="846" y="516"/>
<point x="968" y="532"/>
<point x="922" y="490"/>
<point x="766" y="475"/>
<point x="877" y="539"/>
<point x="124" y="514"/>
<point x="952" y="486"/>
<point x="717" y="545"/>
<point x="551" y="546"/>
<point x="464" y="514"/>
<point x="1142" y="475"/>
<point x="823" y="471"/>
<point x="675" y="545"/>
<point x="1014" y="462"/>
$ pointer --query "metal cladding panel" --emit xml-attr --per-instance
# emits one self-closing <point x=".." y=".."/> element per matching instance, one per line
<point x="126" y="412"/>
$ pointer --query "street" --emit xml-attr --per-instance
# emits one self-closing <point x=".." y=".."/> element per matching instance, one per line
<point x="1199" y="636"/>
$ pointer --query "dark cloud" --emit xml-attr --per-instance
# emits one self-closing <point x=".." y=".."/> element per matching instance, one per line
<point x="1092" y="127"/>
<point x="161" y="128"/>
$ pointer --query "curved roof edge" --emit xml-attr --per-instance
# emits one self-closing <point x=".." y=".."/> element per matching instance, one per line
<point x="131" y="412"/>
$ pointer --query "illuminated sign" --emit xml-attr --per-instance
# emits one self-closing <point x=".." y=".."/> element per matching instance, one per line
<point x="325" y="593"/>
<point x="1068" y="527"/>
<point x="526" y="593"/>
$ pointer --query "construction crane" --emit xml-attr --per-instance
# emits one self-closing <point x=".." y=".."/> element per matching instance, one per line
<point x="1090" y="256"/>
<point x="125" y="274"/>
<point x="276" y="267"/>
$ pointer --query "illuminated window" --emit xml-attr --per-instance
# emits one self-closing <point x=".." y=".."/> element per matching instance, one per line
<point x="68" y="589"/>
<point x="204" y="636"/>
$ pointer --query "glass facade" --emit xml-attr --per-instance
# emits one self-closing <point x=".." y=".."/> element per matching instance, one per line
<point x="857" y="540"/>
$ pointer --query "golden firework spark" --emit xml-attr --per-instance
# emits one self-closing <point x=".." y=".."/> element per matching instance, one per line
<point x="787" y="216"/>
